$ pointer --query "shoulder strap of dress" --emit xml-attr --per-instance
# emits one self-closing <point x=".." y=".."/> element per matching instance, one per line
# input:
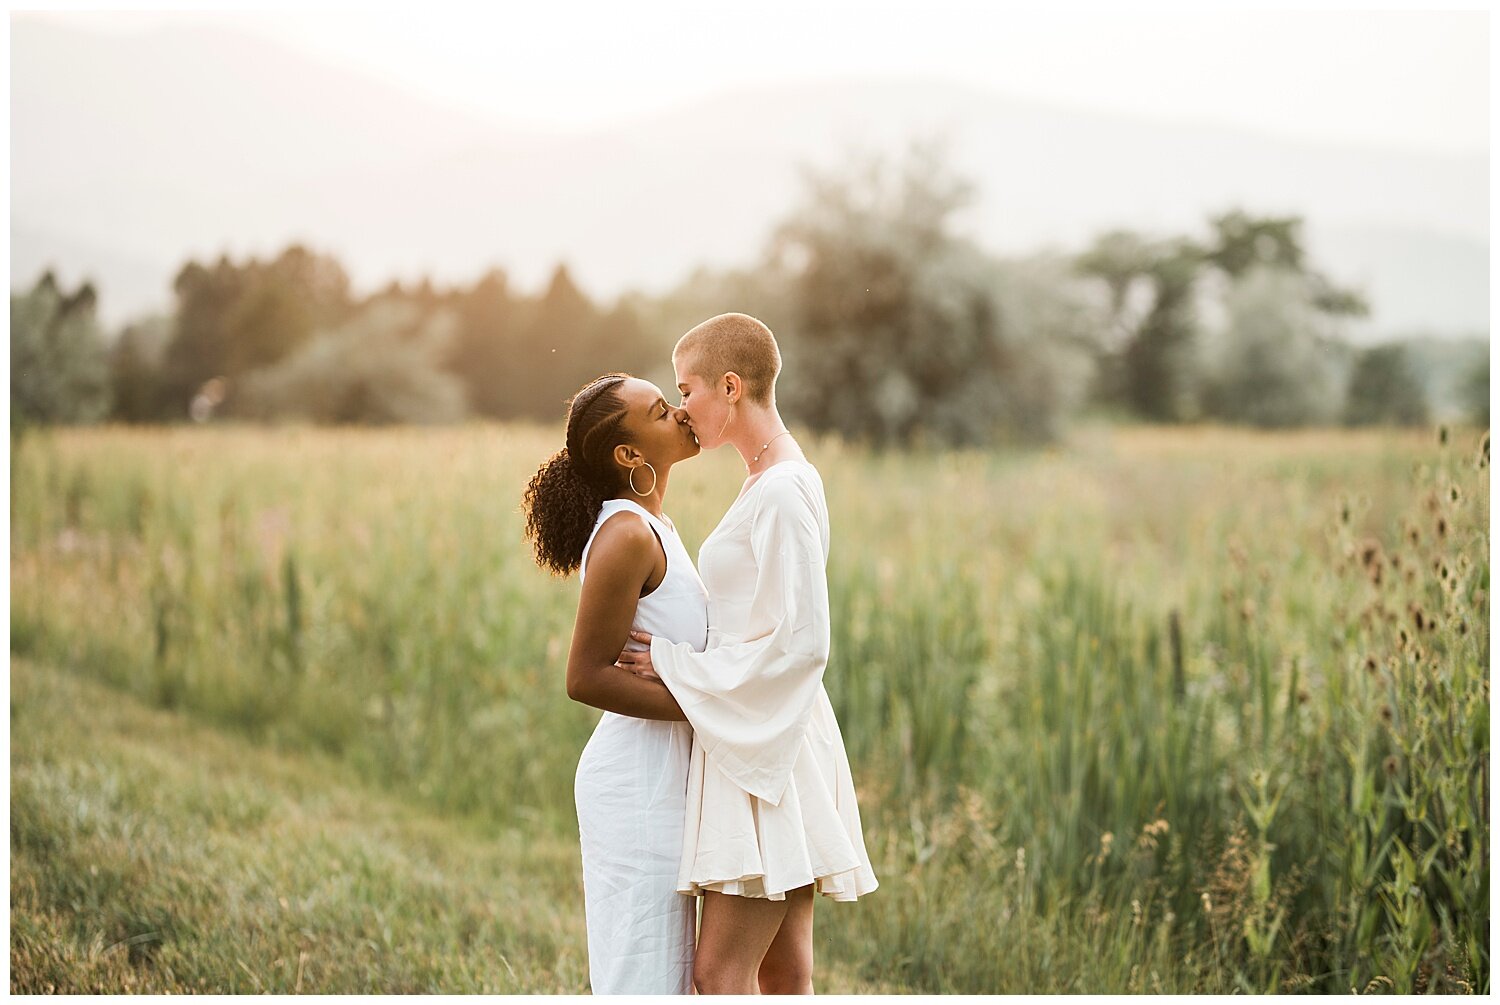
<point x="612" y="506"/>
<point x="608" y="509"/>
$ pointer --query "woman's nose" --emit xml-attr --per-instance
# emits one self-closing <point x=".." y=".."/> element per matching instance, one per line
<point x="681" y="414"/>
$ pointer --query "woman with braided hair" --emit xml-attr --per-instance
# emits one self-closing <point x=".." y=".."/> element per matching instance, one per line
<point x="596" y="507"/>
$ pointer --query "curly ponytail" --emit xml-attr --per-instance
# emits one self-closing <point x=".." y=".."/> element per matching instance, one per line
<point x="562" y="499"/>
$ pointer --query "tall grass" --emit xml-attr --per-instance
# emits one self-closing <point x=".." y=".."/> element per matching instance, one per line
<point x="1170" y="710"/>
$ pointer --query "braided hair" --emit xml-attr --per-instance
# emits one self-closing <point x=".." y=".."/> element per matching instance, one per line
<point x="563" y="498"/>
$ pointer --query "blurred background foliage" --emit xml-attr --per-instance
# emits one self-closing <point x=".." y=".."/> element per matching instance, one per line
<point x="897" y="327"/>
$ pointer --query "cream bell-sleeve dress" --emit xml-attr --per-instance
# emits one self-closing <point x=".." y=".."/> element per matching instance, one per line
<point x="770" y="798"/>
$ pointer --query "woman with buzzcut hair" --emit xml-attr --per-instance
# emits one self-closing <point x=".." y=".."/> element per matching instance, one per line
<point x="771" y="811"/>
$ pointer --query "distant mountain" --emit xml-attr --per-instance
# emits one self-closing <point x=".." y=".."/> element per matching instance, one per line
<point x="1418" y="281"/>
<point x="131" y="153"/>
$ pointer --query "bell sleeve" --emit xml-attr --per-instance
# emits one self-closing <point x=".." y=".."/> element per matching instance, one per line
<point x="750" y="699"/>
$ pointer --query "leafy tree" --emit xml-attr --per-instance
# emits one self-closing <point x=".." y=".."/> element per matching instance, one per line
<point x="1241" y="242"/>
<point x="562" y="340"/>
<point x="232" y="319"/>
<point x="1271" y="364"/>
<point x="1152" y="355"/>
<point x="1383" y="390"/>
<point x="897" y="323"/>
<point x="1159" y="375"/>
<point x="1475" y="390"/>
<point x="1123" y="259"/>
<point x="1049" y="325"/>
<point x="482" y="352"/>
<point x="59" y="370"/>
<point x="381" y="366"/>
<point x="1145" y="355"/>
<point x="135" y="371"/>
<point x="556" y="350"/>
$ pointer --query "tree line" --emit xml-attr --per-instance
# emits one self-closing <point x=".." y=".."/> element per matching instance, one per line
<point x="896" y="329"/>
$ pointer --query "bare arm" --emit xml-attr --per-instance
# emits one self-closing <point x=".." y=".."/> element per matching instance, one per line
<point x="622" y="559"/>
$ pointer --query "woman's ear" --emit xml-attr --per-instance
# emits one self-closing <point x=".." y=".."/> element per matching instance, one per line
<point x="626" y="455"/>
<point x="733" y="386"/>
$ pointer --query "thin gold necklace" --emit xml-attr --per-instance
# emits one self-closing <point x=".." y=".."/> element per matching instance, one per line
<point x="764" y="445"/>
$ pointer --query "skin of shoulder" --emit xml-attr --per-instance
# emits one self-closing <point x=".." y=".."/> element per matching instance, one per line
<point x="625" y="551"/>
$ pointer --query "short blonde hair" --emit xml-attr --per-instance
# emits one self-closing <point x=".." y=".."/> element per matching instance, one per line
<point x="737" y="343"/>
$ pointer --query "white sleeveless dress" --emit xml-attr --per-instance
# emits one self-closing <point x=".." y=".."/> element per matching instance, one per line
<point x="630" y="792"/>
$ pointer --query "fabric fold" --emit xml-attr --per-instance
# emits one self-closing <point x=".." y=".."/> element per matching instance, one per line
<point x="771" y="805"/>
<point x="750" y="698"/>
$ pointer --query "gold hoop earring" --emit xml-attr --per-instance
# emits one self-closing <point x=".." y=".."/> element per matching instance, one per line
<point x="631" y="480"/>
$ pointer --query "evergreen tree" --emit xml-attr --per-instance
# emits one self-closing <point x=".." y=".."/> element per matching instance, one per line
<point x="135" y="371"/>
<point x="232" y="319"/>
<point x="59" y="366"/>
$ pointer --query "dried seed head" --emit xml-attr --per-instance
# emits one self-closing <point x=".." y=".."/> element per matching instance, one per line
<point x="1371" y="666"/>
<point x="1391" y="765"/>
<point x="1442" y="527"/>
<point x="1442" y="436"/>
<point x="1387" y="714"/>
<point x="1302" y="696"/>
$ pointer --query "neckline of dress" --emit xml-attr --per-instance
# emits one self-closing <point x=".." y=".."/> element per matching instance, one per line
<point x="663" y="520"/>
<point x="762" y="476"/>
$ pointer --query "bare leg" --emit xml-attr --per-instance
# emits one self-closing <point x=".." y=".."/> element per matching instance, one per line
<point x="788" y="966"/>
<point x="732" y="940"/>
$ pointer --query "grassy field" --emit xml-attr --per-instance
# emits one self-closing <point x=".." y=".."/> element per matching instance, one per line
<point x="1185" y="710"/>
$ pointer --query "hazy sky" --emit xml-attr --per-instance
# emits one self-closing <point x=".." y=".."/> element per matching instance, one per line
<point x="1411" y="80"/>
